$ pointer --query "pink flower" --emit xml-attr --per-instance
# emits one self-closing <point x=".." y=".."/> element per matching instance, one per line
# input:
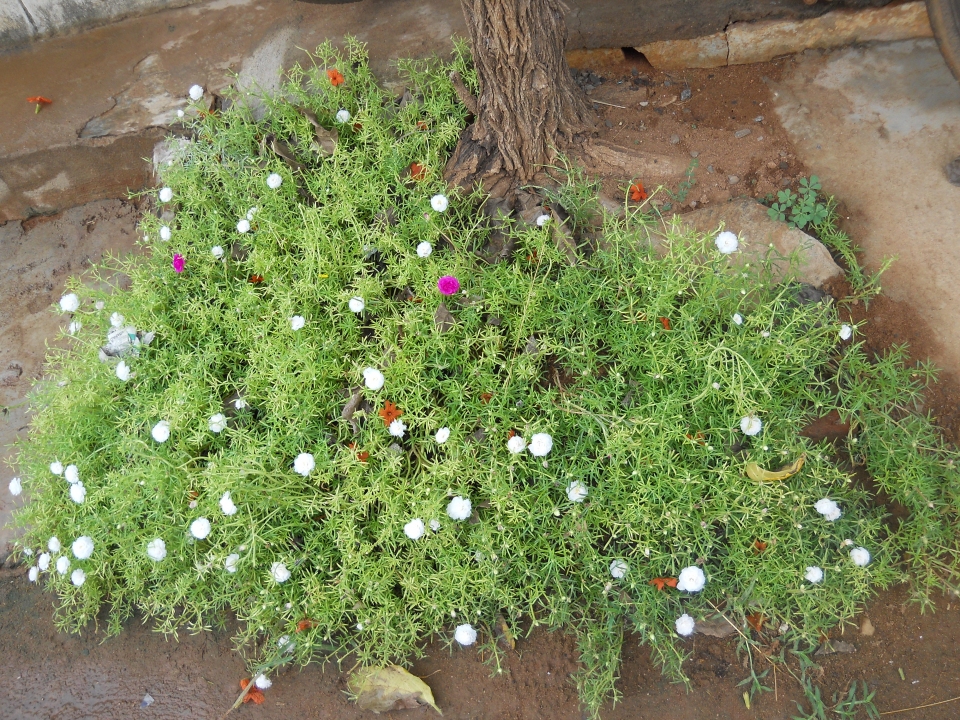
<point x="448" y="285"/>
<point x="178" y="262"/>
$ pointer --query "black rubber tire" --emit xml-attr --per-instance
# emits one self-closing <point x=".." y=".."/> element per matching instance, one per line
<point x="945" y="20"/>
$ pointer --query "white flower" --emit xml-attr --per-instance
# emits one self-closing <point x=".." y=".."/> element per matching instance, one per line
<point x="117" y="320"/>
<point x="465" y="634"/>
<point x="343" y="115"/>
<point x="414" y="529"/>
<point x="397" y="428"/>
<point x="63" y="564"/>
<point x="576" y="491"/>
<point x="542" y="220"/>
<point x="200" y="528"/>
<point x="53" y="544"/>
<point x="516" y="444"/>
<point x="166" y="195"/>
<point x="161" y="431"/>
<point x="70" y="303"/>
<point x="28" y="552"/>
<point x="123" y="371"/>
<point x="618" y="568"/>
<point x="99" y="305"/>
<point x="279" y="572"/>
<point x="372" y="378"/>
<point x="356" y="305"/>
<point x="443" y="434"/>
<point x="263" y="682"/>
<point x="424" y="249"/>
<point x="691" y="579"/>
<point x="460" y="508"/>
<point x="297" y="322"/>
<point x="738" y="318"/>
<point x="78" y="493"/>
<point x="78" y="577"/>
<point x="439" y="202"/>
<point x="83" y="547"/>
<point x="685" y="625"/>
<point x="828" y="508"/>
<point x="56" y="467"/>
<point x="751" y="425"/>
<point x="435" y="525"/>
<point x="230" y="562"/>
<point x="727" y="242"/>
<point x="71" y="474"/>
<point x="217" y="252"/>
<point x="846" y="332"/>
<point x="43" y="561"/>
<point x="196" y="92"/>
<point x="860" y="556"/>
<point x="164" y="232"/>
<point x="32" y="574"/>
<point x="814" y="574"/>
<point x="540" y="445"/>
<point x="156" y="549"/>
<point x="252" y="211"/>
<point x="716" y="386"/>
<point x="180" y="113"/>
<point x="274" y="181"/>
<point x="304" y="464"/>
<point x="74" y="327"/>
<point x="15" y="487"/>
<point x="243" y="226"/>
<point x="846" y="543"/>
<point x="217" y="423"/>
<point x="227" y="505"/>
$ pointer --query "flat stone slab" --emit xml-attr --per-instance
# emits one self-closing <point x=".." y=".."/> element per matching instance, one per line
<point x="791" y="252"/>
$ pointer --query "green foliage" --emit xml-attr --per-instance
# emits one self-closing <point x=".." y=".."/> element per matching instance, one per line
<point x="630" y="360"/>
<point x="804" y="208"/>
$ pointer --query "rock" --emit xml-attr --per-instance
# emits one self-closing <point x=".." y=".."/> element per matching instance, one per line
<point x="866" y="628"/>
<point x="758" y="231"/>
<point x="953" y="171"/>
<point x="674" y="139"/>
<point x="608" y="123"/>
<point x="718" y="627"/>
<point x="742" y="133"/>
<point x="733" y="179"/>
<point x="710" y="169"/>
<point x="694" y="153"/>
<point x="686" y="94"/>
<point x="703" y="52"/>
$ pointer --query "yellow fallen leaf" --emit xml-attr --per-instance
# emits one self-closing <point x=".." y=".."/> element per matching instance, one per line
<point x="382" y="689"/>
<point x="504" y="636"/>
<point x="755" y="472"/>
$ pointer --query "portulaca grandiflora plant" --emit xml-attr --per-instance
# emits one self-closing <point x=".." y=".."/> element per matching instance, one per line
<point x="317" y="408"/>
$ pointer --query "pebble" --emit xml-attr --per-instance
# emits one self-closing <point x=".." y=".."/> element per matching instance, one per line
<point x="694" y="153"/>
<point x="685" y="94"/>
<point x="733" y="179"/>
<point x="866" y="627"/>
<point x="608" y="123"/>
<point x="771" y="165"/>
<point x="758" y="118"/>
<point x="709" y="168"/>
<point x="784" y="165"/>
<point x="953" y="171"/>
<point x="742" y="133"/>
<point x="674" y="139"/>
<point x="785" y="182"/>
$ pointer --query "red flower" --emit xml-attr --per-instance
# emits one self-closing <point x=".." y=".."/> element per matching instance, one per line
<point x="357" y="127"/>
<point x="486" y="397"/>
<point x="661" y="582"/>
<point x="417" y="171"/>
<point x="256" y="279"/>
<point x="759" y="546"/>
<point x="305" y="624"/>
<point x="389" y="413"/>
<point x="421" y="125"/>
<point x="637" y="193"/>
<point x="335" y="77"/>
<point x="665" y="322"/>
<point x="255" y="695"/>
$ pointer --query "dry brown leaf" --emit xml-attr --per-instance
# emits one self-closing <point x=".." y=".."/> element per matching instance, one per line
<point x="755" y="472"/>
<point x="504" y="636"/>
<point x="381" y="689"/>
<point x="443" y="319"/>
<point x="717" y="627"/>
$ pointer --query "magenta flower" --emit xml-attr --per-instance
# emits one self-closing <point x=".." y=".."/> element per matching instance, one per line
<point x="178" y="262"/>
<point x="448" y="285"/>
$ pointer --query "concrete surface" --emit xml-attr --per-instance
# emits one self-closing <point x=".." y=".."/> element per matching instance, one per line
<point x="878" y="124"/>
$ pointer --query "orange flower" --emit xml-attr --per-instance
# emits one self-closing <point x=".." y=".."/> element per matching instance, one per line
<point x="305" y="624"/>
<point x="256" y="279"/>
<point x="389" y="413"/>
<point x="255" y="695"/>
<point x="698" y="438"/>
<point x="357" y="127"/>
<point x="661" y="582"/>
<point x="417" y="171"/>
<point x="39" y="101"/>
<point x="759" y="546"/>
<point x="637" y="193"/>
<point x="756" y="621"/>
<point x="486" y="397"/>
<point x="362" y="456"/>
<point x="335" y="77"/>
<point x="665" y="322"/>
<point x="510" y="434"/>
<point x="421" y="125"/>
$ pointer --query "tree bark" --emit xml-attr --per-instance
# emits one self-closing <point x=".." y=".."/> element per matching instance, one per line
<point x="529" y="107"/>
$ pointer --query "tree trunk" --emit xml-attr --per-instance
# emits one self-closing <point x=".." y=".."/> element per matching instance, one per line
<point x="529" y="106"/>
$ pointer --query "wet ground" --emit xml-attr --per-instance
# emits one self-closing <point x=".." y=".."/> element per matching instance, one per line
<point x="876" y="124"/>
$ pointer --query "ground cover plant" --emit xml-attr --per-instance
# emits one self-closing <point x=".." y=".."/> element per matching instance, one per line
<point x="318" y="408"/>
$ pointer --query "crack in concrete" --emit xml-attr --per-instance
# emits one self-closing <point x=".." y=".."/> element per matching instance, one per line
<point x="30" y="19"/>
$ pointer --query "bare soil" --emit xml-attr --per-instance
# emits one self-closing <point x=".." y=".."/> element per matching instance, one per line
<point x="49" y="674"/>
